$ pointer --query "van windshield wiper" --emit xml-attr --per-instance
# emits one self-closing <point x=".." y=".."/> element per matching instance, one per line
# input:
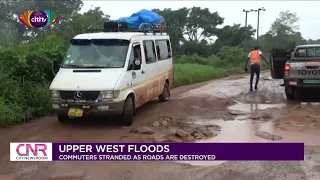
<point x="73" y="65"/>
<point x="95" y="67"/>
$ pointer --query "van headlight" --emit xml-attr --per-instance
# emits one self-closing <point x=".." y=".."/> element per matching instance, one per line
<point x="55" y="94"/>
<point x="111" y="94"/>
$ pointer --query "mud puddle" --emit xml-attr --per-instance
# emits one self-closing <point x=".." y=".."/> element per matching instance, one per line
<point x="247" y="108"/>
<point x="297" y="129"/>
<point x="259" y="131"/>
<point x="231" y="131"/>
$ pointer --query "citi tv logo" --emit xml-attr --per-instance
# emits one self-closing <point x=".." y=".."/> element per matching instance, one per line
<point x="38" y="19"/>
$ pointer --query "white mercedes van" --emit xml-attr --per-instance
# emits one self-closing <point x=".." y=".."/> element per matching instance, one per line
<point x="112" y="73"/>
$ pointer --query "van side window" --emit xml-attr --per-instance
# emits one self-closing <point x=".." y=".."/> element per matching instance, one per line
<point x="149" y="50"/>
<point x="169" y="47"/>
<point x="135" y="54"/>
<point x="163" y="49"/>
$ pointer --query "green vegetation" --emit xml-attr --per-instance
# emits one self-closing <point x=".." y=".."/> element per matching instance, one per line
<point x="26" y="54"/>
<point x="199" y="73"/>
<point x="194" y="68"/>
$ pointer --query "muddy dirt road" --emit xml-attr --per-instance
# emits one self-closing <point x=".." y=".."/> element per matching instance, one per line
<point x="217" y="111"/>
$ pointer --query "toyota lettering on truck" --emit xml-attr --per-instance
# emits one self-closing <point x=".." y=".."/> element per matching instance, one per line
<point x="112" y="72"/>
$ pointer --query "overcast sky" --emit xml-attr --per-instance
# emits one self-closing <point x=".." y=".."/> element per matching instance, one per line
<point x="308" y="11"/>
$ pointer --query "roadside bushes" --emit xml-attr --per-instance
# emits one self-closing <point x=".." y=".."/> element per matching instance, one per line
<point x="21" y="101"/>
<point x="25" y="74"/>
<point x="194" y="68"/>
<point x="228" y="57"/>
<point x="192" y="73"/>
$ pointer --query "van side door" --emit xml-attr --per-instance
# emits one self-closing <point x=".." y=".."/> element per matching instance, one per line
<point x="165" y="64"/>
<point x="151" y="68"/>
<point x="138" y="75"/>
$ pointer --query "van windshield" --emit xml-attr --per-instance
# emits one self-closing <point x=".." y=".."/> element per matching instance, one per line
<point x="96" y="53"/>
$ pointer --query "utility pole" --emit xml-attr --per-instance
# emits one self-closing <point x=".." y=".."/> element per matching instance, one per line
<point x="246" y="25"/>
<point x="258" y="10"/>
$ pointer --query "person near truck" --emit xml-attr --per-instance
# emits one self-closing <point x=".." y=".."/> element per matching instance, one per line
<point x="255" y="57"/>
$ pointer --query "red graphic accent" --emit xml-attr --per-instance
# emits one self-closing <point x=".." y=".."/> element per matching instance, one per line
<point x="56" y="20"/>
<point x="24" y="22"/>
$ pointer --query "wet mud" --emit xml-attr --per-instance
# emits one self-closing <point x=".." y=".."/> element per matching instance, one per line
<point x="217" y="111"/>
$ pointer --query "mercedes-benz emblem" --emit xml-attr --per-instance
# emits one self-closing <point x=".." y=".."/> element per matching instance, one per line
<point x="77" y="95"/>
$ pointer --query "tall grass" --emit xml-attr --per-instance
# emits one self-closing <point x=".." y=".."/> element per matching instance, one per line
<point x="194" y="73"/>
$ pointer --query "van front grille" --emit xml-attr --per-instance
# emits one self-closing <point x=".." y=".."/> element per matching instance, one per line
<point x="85" y="95"/>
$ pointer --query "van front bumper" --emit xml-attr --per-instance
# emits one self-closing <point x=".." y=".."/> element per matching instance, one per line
<point x="89" y="109"/>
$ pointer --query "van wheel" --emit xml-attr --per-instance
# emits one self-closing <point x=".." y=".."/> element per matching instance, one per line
<point x="165" y="94"/>
<point x="127" y="114"/>
<point x="63" y="118"/>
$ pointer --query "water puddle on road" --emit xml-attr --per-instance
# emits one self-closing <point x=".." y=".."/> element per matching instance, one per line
<point x="247" y="108"/>
<point x="231" y="131"/>
<point x="234" y="131"/>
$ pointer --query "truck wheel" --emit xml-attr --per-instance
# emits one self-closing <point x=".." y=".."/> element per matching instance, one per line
<point x="297" y="93"/>
<point x="63" y="118"/>
<point x="290" y="96"/>
<point x="127" y="114"/>
<point x="290" y="92"/>
<point x="165" y="94"/>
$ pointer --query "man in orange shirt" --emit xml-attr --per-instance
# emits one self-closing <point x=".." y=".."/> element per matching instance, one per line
<point x="255" y="57"/>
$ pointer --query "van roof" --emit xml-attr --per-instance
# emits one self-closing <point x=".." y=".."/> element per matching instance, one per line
<point x="115" y="35"/>
<point x="308" y="45"/>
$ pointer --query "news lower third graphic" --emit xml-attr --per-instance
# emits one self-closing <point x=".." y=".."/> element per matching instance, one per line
<point x="38" y="19"/>
<point x="42" y="151"/>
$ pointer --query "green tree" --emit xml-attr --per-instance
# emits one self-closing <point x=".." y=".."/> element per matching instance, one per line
<point x="12" y="9"/>
<point x="79" y="23"/>
<point x="175" y="24"/>
<point x="234" y="35"/>
<point x="283" y="32"/>
<point x="202" y="24"/>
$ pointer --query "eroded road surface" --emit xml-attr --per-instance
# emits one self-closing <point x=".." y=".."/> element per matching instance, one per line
<point x="217" y="111"/>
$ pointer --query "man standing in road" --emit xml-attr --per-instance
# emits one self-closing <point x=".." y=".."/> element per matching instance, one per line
<point x="255" y="63"/>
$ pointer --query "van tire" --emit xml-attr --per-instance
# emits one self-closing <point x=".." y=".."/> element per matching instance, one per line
<point x="128" y="111"/>
<point x="63" y="119"/>
<point x="165" y="94"/>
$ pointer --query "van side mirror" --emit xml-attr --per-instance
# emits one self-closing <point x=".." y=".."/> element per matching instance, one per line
<point x="56" y="66"/>
<point x="170" y="55"/>
<point x="137" y="64"/>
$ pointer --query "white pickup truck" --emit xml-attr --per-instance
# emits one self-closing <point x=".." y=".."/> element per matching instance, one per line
<point x="300" y="70"/>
